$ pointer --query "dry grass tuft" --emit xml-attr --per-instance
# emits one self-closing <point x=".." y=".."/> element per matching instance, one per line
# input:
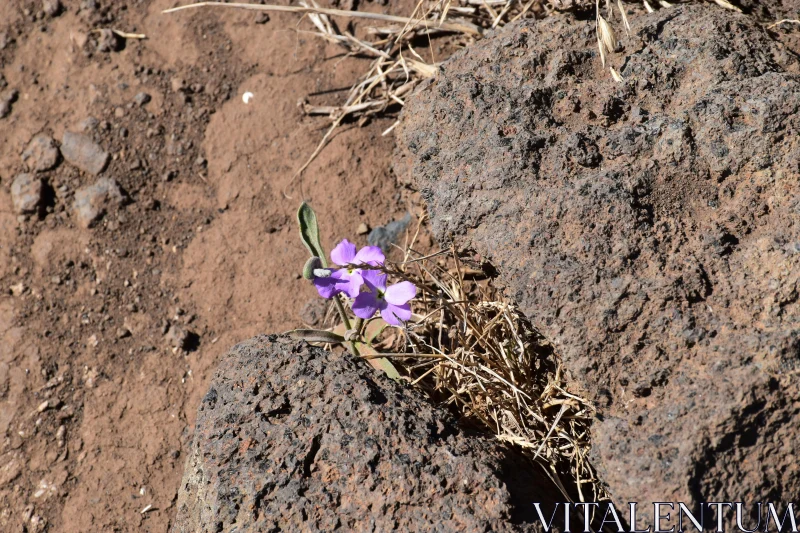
<point x="469" y="348"/>
<point x="396" y="46"/>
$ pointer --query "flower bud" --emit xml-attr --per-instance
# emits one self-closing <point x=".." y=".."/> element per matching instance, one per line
<point x="313" y="263"/>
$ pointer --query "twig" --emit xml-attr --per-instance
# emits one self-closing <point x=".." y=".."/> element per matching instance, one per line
<point x="411" y="22"/>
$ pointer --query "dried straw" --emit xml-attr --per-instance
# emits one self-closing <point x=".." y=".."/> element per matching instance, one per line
<point x="469" y="348"/>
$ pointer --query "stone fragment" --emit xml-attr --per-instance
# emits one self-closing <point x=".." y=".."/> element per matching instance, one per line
<point x="26" y="193"/>
<point x="80" y="150"/>
<point x="95" y="200"/>
<point x="41" y="154"/>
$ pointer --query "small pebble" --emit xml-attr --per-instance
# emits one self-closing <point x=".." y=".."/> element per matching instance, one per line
<point x="108" y="41"/>
<point x="81" y="151"/>
<point x="26" y="193"/>
<point x="94" y="201"/>
<point x="363" y="229"/>
<point x="178" y="84"/>
<point x="177" y="336"/>
<point x="41" y="154"/>
<point x="142" y="99"/>
<point x="52" y="8"/>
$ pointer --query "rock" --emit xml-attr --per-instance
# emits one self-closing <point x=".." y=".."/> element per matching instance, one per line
<point x="293" y="438"/>
<point x="18" y="289"/>
<point x="88" y="125"/>
<point x="92" y="202"/>
<point x="52" y="8"/>
<point x="363" y="229"/>
<point x="261" y="18"/>
<point x="26" y="193"/>
<point x="384" y="236"/>
<point x="645" y="227"/>
<point x="178" y="337"/>
<point x="81" y="151"/>
<point x="108" y="41"/>
<point x="5" y="102"/>
<point x="4" y="40"/>
<point x="41" y="154"/>
<point x="142" y="98"/>
<point x="177" y="84"/>
<point x="9" y="469"/>
<point x="313" y="312"/>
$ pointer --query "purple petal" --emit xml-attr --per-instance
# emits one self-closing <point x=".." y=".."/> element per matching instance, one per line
<point x="354" y="283"/>
<point x="400" y="293"/>
<point x="328" y="287"/>
<point x="374" y="279"/>
<point x="365" y="305"/>
<point x="372" y="255"/>
<point x="396" y="314"/>
<point x="344" y="253"/>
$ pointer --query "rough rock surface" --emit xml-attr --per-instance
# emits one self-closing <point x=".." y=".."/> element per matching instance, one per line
<point x="650" y="228"/>
<point x="81" y="151"/>
<point x="93" y="201"/>
<point x="26" y="193"/>
<point x="293" y="438"/>
<point x="41" y="153"/>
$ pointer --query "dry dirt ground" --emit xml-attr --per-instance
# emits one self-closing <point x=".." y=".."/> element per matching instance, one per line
<point x="108" y="335"/>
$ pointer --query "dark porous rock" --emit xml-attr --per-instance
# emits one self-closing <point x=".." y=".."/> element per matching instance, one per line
<point x="95" y="200"/>
<point x="650" y="228"/>
<point x="26" y="193"/>
<point x="81" y="151"/>
<point x="294" y="438"/>
<point x="41" y="154"/>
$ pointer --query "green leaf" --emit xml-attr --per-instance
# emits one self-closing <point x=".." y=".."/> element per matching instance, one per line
<point x="309" y="231"/>
<point x="316" y="335"/>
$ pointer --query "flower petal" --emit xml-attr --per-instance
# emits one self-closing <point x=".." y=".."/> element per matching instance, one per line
<point x="400" y="293"/>
<point x="365" y="305"/>
<point x="328" y="287"/>
<point x="372" y="255"/>
<point x="374" y="279"/>
<point x="344" y="253"/>
<point x="396" y="314"/>
<point x="354" y="283"/>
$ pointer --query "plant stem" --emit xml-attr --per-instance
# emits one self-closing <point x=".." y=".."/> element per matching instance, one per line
<point x="346" y="322"/>
<point x="342" y="314"/>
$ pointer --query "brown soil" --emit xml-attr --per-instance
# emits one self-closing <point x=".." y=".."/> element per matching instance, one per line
<point x="204" y="249"/>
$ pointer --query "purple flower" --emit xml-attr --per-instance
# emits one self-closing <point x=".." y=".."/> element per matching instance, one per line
<point x="347" y="279"/>
<point x="391" y="301"/>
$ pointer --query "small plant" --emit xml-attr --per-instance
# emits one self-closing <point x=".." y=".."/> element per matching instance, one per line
<point x="361" y="277"/>
<point x="464" y="345"/>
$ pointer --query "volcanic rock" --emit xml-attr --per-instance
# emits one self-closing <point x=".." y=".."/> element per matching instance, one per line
<point x="650" y="228"/>
<point x="293" y="438"/>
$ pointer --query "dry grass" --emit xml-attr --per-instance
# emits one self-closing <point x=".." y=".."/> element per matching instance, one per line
<point x="400" y="48"/>
<point x="469" y="348"/>
<point x="395" y="45"/>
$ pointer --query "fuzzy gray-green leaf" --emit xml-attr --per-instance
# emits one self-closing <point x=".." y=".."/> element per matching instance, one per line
<point x="309" y="231"/>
